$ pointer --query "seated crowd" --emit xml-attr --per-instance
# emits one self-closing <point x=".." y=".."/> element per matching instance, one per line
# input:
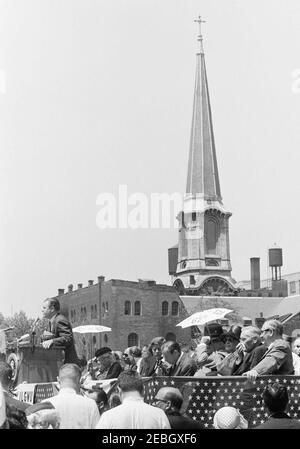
<point x="236" y="351"/>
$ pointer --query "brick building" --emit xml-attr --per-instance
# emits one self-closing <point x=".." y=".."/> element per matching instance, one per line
<point x="199" y="265"/>
<point x="135" y="311"/>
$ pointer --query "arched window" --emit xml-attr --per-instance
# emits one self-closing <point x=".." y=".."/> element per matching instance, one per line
<point x="106" y="307"/>
<point x="95" y="311"/>
<point x="165" y="308"/>
<point x="137" y="308"/>
<point x="103" y="309"/>
<point x="105" y="338"/>
<point x="127" y="308"/>
<point x="133" y="339"/>
<point x="94" y="340"/>
<point x="175" y="308"/>
<point x="170" y="336"/>
<point x="211" y="235"/>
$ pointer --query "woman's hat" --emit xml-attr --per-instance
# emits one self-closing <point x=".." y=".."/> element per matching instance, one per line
<point x="229" y="418"/>
<point x="233" y="332"/>
<point x="214" y="331"/>
<point x="102" y="351"/>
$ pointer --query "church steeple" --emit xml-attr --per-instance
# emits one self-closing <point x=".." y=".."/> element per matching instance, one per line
<point x="200" y="265"/>
<point x="203" y="176"/>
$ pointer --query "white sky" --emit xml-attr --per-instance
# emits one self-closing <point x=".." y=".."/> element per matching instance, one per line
<point x="99" y="93"/>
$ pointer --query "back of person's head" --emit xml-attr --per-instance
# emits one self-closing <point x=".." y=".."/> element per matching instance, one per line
<point x="130" y="381"/>
<point x="114" y="400"/>
<point x="69" y="373"/>
<point x="276" y="397"/>
<point x="276" y="326"/>
<point x="16" y="418"/>
<point x="101" y="396"/>
<point x="6" y="374"/>
<point x="171" y="346"/>
<point x="229" y="418"/>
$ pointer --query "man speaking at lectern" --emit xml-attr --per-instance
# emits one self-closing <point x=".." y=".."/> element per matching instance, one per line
<point x="61" y="330"/>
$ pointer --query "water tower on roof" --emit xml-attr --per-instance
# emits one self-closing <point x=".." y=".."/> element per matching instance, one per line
<point x="275" y="262"/>
<point x="279" y="286"/>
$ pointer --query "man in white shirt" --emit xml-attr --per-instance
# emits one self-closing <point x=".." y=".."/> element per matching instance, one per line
<point x="76" y="411"/>
<point x="133" y="413"/>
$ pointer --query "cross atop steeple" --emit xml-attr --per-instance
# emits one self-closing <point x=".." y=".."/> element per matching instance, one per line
<point x="200" y="38"/>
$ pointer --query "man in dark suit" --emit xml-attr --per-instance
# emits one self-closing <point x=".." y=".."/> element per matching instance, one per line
<point x="61" y="330"/>
<point x="252" y="350"/>
<point x="108" y="367"/>
<point x="276" y="399"/>
<point x="170" y="400"/>
<point x="181" y="363"/>
<point x="278" y="358"/>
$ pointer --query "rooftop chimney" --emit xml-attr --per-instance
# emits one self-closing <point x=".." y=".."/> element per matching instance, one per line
<point x="70" y="288"/>
<point x="90" y="282"/>
<point x="148" y="282"/>
<point x="61" y="291"/>
<point x="247" y="321"/>
<point x="79" y="285"/>
<point x="259" y="322"/>
<point x="101" y="278"/>
<point x="255" y="273"/>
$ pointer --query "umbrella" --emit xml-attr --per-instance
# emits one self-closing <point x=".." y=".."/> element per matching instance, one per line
<point x="200" y="318"/>
<point x="91" y="329"/>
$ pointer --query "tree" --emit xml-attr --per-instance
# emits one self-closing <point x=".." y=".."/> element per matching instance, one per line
<point x="21" y="324"/>
<point x="2" y="321"/>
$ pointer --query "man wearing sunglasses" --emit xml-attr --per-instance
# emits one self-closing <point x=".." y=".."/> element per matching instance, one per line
<point x="170" y="400"/>
<point x="278" y="358"/>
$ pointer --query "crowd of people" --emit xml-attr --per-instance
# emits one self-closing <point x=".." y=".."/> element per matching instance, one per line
<point x="237" y="351"/>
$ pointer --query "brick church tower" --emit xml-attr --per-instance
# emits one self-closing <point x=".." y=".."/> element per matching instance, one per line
<point x="200" y="263"/>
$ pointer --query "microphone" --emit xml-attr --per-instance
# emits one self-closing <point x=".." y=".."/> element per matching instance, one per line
<point x="35" y="323"/>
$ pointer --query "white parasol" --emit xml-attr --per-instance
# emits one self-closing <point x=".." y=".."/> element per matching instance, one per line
<point x="91" y="329"/>
<point x="200" y="318"/>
